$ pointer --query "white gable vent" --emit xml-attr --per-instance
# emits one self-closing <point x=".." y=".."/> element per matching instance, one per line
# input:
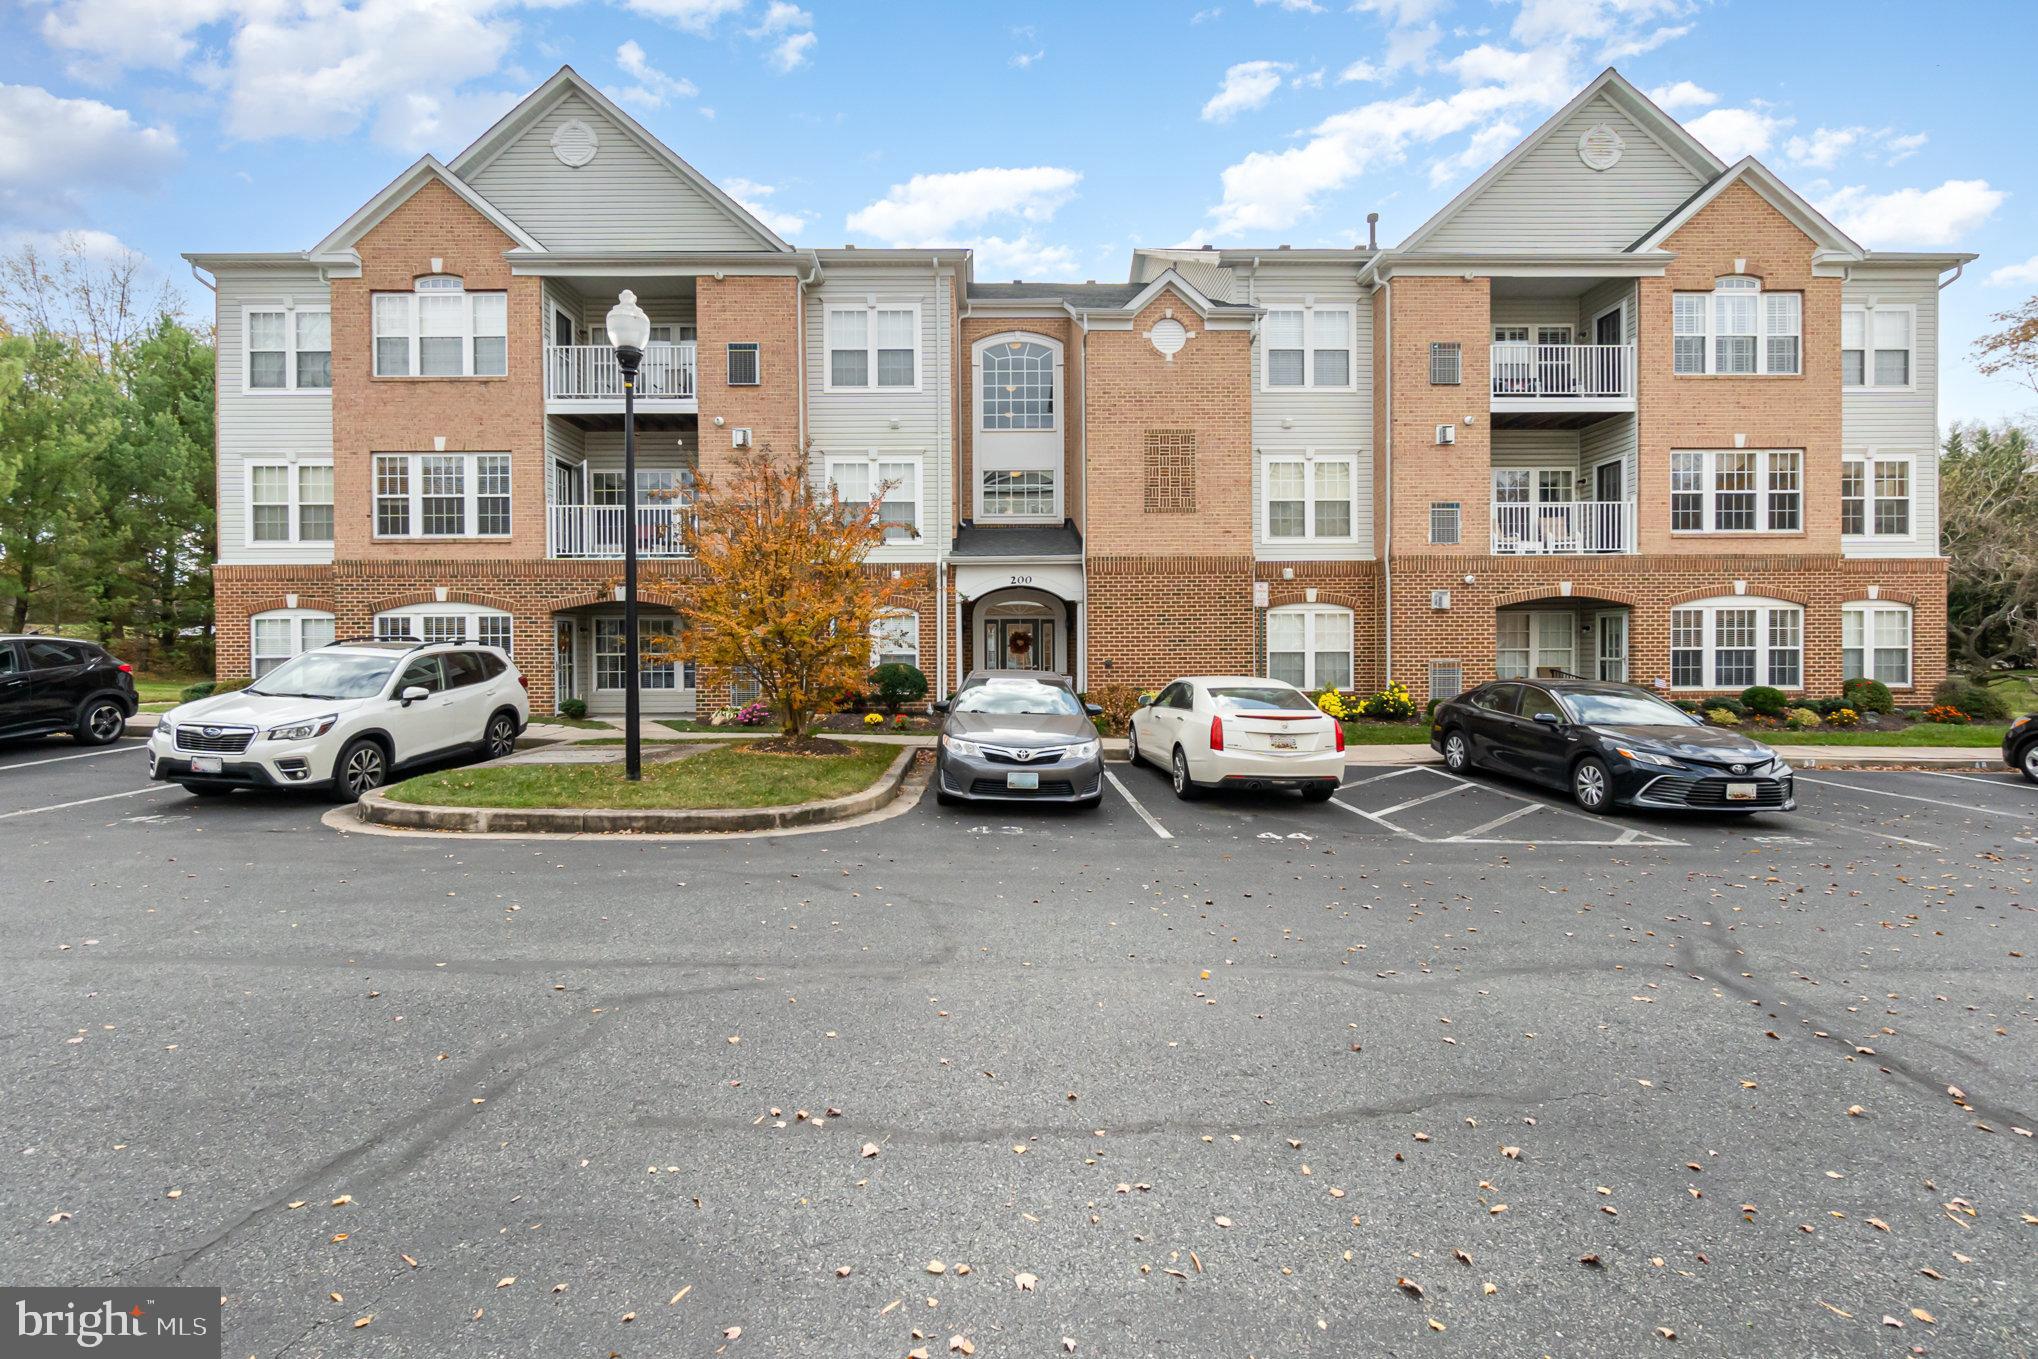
<point x="1600" y="147"/>
<point x="1168" y="336"/>
<point x="575" y="143"/>
<point x="1447" y="434"/>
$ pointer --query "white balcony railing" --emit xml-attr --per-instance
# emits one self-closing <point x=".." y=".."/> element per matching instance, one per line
<point x="597" y="530"/>
<point x="1570" y="527"/>
<point x="1563" y="372"/>
<point x="588" y="372"/>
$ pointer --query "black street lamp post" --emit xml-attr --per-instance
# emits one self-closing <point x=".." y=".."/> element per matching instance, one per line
<point x="629" y="331"/>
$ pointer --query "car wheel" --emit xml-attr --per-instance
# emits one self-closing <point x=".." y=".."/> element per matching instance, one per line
<point x="2030" y="764"/>
<point x="1186" y="788"/>
<point x="500" y="738"/>
<point x="1457" y="753"/>
<point x="1591" y="784"/>
<point x="100" y="722"/>
<point x="1131" y="743"/>
<point x="1319" y="792"/>
<point x="205" y="789"/>
<point x="362" y="768"/>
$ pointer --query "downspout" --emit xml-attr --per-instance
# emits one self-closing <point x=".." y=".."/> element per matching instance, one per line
<point x="946" y="456"/>
<point x="800" y="319"/>
<point x="1387" y="453"/>
<point x="1958" y="270"/>
<point x="213" y="287"/>
<point x="1082" y="321"/>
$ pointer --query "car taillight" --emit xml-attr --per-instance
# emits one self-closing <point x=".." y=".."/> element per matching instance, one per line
<point x="1339" y="728"/>
<point x="126" y="669"/>
<point x="524" y="680"/>
<point x="1217" y="733"/>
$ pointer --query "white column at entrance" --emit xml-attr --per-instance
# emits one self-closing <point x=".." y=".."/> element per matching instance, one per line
<point x="961" y="644"/>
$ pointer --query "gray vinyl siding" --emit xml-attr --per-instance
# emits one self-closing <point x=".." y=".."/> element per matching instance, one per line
<point x="564" y="442"/>
<point x="263" y="425"/>
<point x="624" y="199"/>
<point x="1900" y="422"/>
<point x="1337" y="421"/>
<point x="1535" y="448"/>
<point x="1551" y="200"/>
<point x="852" y="423"/>
<point x="1611" y="438"/>
<point x="1598" y="299"/>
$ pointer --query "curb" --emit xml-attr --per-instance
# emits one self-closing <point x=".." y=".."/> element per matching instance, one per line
<point x="378" y="808"/>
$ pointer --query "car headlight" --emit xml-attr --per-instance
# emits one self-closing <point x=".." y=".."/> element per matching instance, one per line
<point x="304" y="731"/>
<point x="165" y="727"/>
<point x="1649" y="757"/>
<point x="961" y="747"/>
<point x="1084" y="750"/>
<point x="2022" y="721"/>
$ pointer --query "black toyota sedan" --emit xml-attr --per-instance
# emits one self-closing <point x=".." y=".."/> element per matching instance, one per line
<point x="1609" y="745"/>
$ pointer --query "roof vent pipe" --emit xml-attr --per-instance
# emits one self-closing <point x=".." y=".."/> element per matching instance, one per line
<point x="1372" y="231"/>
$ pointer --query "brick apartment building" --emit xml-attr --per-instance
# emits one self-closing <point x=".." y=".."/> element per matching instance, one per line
<point x="1617" y="410"/>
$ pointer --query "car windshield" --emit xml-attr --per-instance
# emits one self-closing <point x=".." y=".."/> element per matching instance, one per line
<point x="327" y="674"/>
<point x="1261" y="698"/>
<point x="1018" y="698"/>
<point x="1632" y="710"/>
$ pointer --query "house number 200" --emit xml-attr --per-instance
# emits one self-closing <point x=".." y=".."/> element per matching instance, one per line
<point x="1022" y="580"/>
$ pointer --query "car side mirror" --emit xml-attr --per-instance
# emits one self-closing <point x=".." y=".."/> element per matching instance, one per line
<point x="1143" y="701"/>
<point x="1550" y="718"/>
<point x="412" y="693"/>
<point x="941" y="705"/>
<point x="1094" y="709"/>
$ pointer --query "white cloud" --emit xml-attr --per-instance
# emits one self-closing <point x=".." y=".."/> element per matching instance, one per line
<point x="1022" y="60"/>
<point x="1908" y="217"/>
<point x="1360" y="70"/>
<point x="1246" y="85"/>
<point x="653" y="86"/>
<point x="1733" y="133"/>
<point x="1294" y="6"/>
<point x="52" y="149"/>
<point x="1635" y="46"/>
<point x="930" y="209"/>
<point x="695" y="16"/>
<point x="782" y="17"/>
<point x="107" y="37"/>
<point x="1204" y="16"/>
<point x="1611" y="22"/>
<point x="1401" y="13"/>
<point x="2027" y="272"/>
<point x="1684" y="94"/>
<point x="751" y="195"/>
<point x="1904" y="147"/>
<point x="1824" y="147"/>
<point x="1022" y="256"/>
<point x="1488" y="144"/>
<point x="794" y="51"/>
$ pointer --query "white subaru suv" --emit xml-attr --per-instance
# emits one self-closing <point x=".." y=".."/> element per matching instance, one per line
<point x="345" y="718"/>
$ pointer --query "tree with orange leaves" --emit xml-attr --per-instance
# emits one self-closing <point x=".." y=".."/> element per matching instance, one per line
<point x="784" y="597"/>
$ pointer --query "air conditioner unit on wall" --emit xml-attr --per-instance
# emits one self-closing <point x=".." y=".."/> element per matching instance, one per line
<point x="1440" y="599"/>
<point x="1447" y="434"/>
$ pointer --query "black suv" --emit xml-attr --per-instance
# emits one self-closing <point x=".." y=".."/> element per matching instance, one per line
<point x="55" y="684"/>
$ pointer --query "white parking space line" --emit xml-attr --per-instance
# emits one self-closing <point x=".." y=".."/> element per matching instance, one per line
<point x="59" y="759"/>
<point x="2011" y="782"/>
<point x="1497" y="822"/>
<point x="1376" y="820"/>
<point x="1379" y="778"/>
<point x="1418" y="801"/>
<point x="1913" y="797"/>
<point x="1144" y="815"/>
<point x="85" y="801"/>
<point x="1877" y="834"/>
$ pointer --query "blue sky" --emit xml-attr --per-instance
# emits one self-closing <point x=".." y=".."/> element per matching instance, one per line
<point x="1053" y="136"/>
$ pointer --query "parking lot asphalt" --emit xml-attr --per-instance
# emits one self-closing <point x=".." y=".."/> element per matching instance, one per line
<point x="1169" y="1079"/>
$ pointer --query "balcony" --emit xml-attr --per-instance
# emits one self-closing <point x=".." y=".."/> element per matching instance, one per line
<point x="596" y="531"/>
<point x="1569" y="528"/>
<point x="584" y="378"/>
<point x="1563" y="379"/>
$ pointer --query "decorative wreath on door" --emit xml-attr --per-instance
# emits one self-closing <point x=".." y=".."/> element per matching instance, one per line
<point x="1019" y="644"/>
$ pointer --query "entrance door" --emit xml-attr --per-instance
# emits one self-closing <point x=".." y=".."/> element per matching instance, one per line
<point x="1019" y="643"/>
<point x="562" y="329"/>
<point x="1611" y="629"/>
<point x="565" y="675"/>
<point x="1607" y="530"/>
<point x="1606" y="329"/>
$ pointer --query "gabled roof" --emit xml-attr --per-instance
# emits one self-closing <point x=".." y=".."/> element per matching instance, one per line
<point x="398" y="191"/>
<point x="1631" y="101"/>
<point x="1195" y="296"/>
<point x="1781" y="196"/>
<point x="511" y="125"/>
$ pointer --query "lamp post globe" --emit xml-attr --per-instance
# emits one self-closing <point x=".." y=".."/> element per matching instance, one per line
<point x="629" y="331"/>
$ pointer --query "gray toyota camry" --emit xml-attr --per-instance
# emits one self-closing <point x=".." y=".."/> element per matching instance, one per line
<point x="1015" y="738"/>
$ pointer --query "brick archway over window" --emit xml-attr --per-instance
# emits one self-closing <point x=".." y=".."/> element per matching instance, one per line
<point x="415" y="597"/>
<point x="1293" y="595"/>
<point x="1903" y="597"/>
<point x="1755" y="590"/>
<point x="1543" y="594"/>
<point x="903" y="603"/>
<point x="659" y="595"/>
<point x="316" y="603"/>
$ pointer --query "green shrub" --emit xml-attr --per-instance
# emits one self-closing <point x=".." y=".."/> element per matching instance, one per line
<point x="1732" y="705"/>
<point x="1392" y="704"/>
<point x="1429" y="709"/>
<point x="1868" y="696"/>
<point x="573" y="707"/>
<point x="1117" y="701"/>
<point x="1800" y="719"/>
<point x="1723" y="717"/>
<point x="1764" y="700"/>
<point x="1977" y="701"/>
<point x="191" y="693"/>
<point x="896" y="684"/>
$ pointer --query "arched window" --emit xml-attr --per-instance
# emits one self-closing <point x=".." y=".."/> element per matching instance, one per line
<point x="1875" y="642"/>
<point x="447" y="623"/>
<point x="1018" y="385"/>
<point x="1310" y="646"/>
<point x="278" y="634"/>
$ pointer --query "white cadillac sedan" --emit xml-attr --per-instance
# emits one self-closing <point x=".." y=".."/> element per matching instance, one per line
<point x="1236" y="731"/>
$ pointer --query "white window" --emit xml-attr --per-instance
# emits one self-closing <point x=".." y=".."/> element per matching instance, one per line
<point x="442" y="495"/>
<point x="895" y="638"/>
<point x="1310" y="646"/>
<point x="288" y="349"/>
<point x="1876" y="347"/>
<point x="1018" y="386"/>
<point x="857" y="479"/>
<point x="1875" y="495"/>
<point x="611" y="664"/>
<point x="1734" y="642"/>
<point x="1737" y="490"/>
<point x="447" y="623"/>
<point x="873" y="348"/>
<point x="274" y="637"/>
<point x="1018" y="494"/>
<point x="1446" y="521"/>
<point x="1528" y="645"/>
<point x="441" y="330"/>
<point x="1310" y="496"/>
<point x="290" y="502"/>
<point x="1307" y="346"/>
<point x="1875" y="643"/>
<point x="1737" y="329"/>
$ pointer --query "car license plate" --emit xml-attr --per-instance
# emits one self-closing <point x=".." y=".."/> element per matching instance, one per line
<point x="1740" y="792"/>
<point x="1283" y="742"/>
<point x="1018" y="780"/>
<point x="207" y="764"/>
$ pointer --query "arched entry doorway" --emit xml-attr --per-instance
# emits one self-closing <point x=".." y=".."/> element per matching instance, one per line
<point x="1574" y="637"/>
<point x="1023" y="629"/>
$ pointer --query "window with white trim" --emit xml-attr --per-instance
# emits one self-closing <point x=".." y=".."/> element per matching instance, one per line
<point x="1737" y="490"/>
<point x="276" y="635"/>
<point x="1875" y="495"/>
<point x="1310" y="496"/>
<point x="290" y="502"/>
<point x="1307" y="346"/>
<point x="1876" y="347"/>
<point x="1310" y="646"/>
<point x="1528" y="644"/>
<point x="1875" y="643"/>
<point x="746" y="364"/>
<point x="611" y="661"/>
<point x="874" y="347"/>
<point x="439" y="329"/>
<point x="857" y="479"/>
<point x="1018" y="386"/>
<point x="1446" y="363"/>
<point x="288" y="349"/>
<point x="1737" y="329"/>
<point x="1446" y="520"/>
<point x="1736" y="641"/>
<point x="895" y="638"/>
<point x="442" y="495"/>
<point x="1018" y="494"/>
<point x="447" y="623"/>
